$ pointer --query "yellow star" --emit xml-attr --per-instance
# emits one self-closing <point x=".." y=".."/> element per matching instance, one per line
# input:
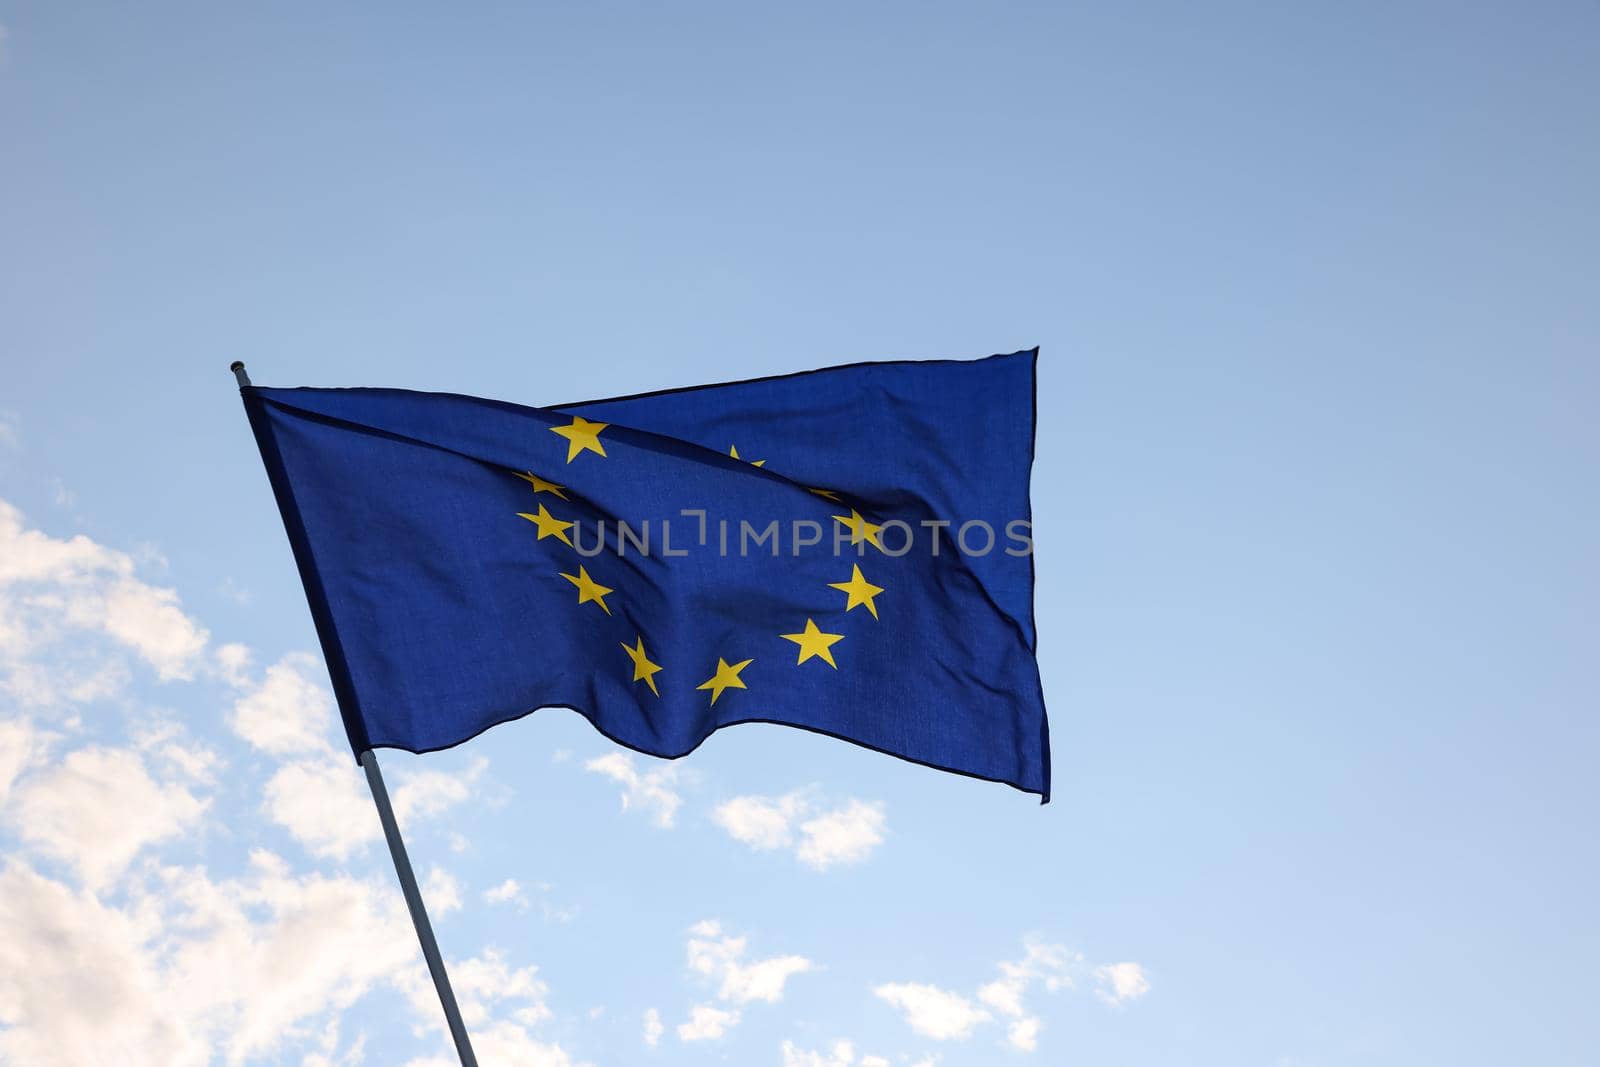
<point x="733" y="450"/>
<point x="826" y="494"/>
<point x="861" y="530"/>
<point x="643" y="670"/>
<point x="540" y="485"/>
<point x="549" y="525"/>
<point x="589" y="589"/>
<point x="813" y="642"/>
<point x="582" y="436"/>
<point x="726" y="678"/>
<point x="858" y="591"/>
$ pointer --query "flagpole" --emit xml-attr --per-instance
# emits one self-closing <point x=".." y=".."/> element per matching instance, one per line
<point x="408" y="878"/>
<point x="419" y="914"/>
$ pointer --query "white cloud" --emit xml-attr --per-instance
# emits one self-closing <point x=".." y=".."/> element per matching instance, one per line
<point x="149" y="621"/>
<point x="10" y="428"/>
<point x="707" y="1022"/>
<point x="1121" y="982"/>
<point x="719" y="958"/>
<point x="763" y="980"/>
<point x="844" y="834"/>
<point x="423" y="794"/>
<point x="500" y="1005"/>
<point x="111" y="954"/>
<point x="441" y="891"/>
<point x="60" y="594"/>
<point x="508" y="1043"/>
<point x="167" y="744"/>
<point x="21" y="747"/>
<point x="98" y="810"/>
<point x="653" y="1028"/>
<point x="78" y="981"/>
<point x="649" y="791"/>
<point x="945" y="1015"/>
<point x="552" y="913"/>
<point x="1042" y="963"/>
<point x="514" y="893"/>
<point x="190" y="966"/>
<point x="328" y="1053"/>
<point x="1003" y="995"/>
<point x="484" y="985"/>
<point x="235" y="592"/>
<point x="187" y="970"/>
<point x="933" y="1012"/>
<point x="289" y="713"/>
<point x="324" y="805"/>
<point x="233" y="663"/>
<point x="1024" y="1034"/>
<point x="763" y="823"/>
<point x="842" y="1054"/>
<point x="507" y="892"/>
<point x="322" y="943"/>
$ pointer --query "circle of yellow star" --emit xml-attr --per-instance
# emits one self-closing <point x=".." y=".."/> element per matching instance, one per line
<point x="582" y="436"/>
<point x="861" y="530"/>
<point x="643" y="670"/>
<point x="540" y="485"/>
<point x="733" y="450"/>
<point x="726" y="678"/>
<point x="826" y="494"/>
<point x="589" y="589"/>
<point x="549" y="525"/>
<point x="858" y="591"/>
<point x="813" y="642"/>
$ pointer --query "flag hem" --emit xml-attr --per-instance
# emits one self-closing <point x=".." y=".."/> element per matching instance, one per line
<point x="1033" y="584"/>
<point x="1043" y="794"/>
<point x="784" y="376"/>
<point x="310" y="578"/>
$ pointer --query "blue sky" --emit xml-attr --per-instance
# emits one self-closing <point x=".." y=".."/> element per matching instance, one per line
<point x="1314" y="504"/>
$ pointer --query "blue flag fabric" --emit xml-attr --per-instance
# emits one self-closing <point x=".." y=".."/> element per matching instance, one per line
<point x="845" y="550"/>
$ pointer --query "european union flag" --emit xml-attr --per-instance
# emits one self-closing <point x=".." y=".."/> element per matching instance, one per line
<point x="845" y="550"/>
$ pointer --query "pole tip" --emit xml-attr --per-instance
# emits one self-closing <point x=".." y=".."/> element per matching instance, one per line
<point x="236" y="366"/>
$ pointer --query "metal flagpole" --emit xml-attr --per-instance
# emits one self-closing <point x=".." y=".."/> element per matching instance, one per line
<point x="419" y="914"/>
<point x="408" y="879"/>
